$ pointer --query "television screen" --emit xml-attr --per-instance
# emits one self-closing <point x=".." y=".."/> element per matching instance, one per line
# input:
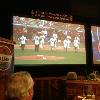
<point x="95" y="31"/>
<point x="40" y="41"/>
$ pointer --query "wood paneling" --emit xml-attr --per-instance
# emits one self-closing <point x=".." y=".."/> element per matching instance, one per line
<point x="57" y="88"/>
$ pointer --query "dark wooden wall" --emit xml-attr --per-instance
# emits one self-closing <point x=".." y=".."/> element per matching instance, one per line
<point x="51" y="88"/>
<point x="2" y="88"/>
<point x="58" y="88"/>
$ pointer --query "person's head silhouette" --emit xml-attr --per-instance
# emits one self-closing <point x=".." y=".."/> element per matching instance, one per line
<point x="20" y="86"/>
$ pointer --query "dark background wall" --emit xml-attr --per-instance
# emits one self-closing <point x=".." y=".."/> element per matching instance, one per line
<point x="85" y="12"/>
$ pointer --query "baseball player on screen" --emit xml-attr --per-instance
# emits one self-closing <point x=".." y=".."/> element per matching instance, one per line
<point x="23" y="40"/>
<point x="66" y="43"/>
<point x="36" y="40"/>
<point x="76" y="44"/>
<point x="52" y="42"/>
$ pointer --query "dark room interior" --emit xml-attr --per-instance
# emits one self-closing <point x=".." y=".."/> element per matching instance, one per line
<point x="51" y="79"/>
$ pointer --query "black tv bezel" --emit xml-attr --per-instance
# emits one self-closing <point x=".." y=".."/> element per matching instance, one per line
<point x="60" y="69"/>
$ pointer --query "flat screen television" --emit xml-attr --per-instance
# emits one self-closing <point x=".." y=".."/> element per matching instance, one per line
<point x="48" y="42"/>
<point x="95" y="31"/>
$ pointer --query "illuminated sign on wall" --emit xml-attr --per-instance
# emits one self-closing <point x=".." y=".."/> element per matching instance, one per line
<point x="51" y="16"/>
<point x="5" y="57"/>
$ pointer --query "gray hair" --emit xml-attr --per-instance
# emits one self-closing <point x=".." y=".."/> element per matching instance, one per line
<point x="18" y="85"/>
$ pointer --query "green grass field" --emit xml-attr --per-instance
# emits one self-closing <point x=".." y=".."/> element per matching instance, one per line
<point x="70" y="57"/>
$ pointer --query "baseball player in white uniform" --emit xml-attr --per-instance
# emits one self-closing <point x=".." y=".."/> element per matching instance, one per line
<point x="76" y="44"/>
<point x="22" y="41"/>
<point x="42" y="37"/>
<point x="52" y="42"/>
<point x="66" y="43"/>
<point x="55" y="37"/>
<point x="37" y="42"/>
